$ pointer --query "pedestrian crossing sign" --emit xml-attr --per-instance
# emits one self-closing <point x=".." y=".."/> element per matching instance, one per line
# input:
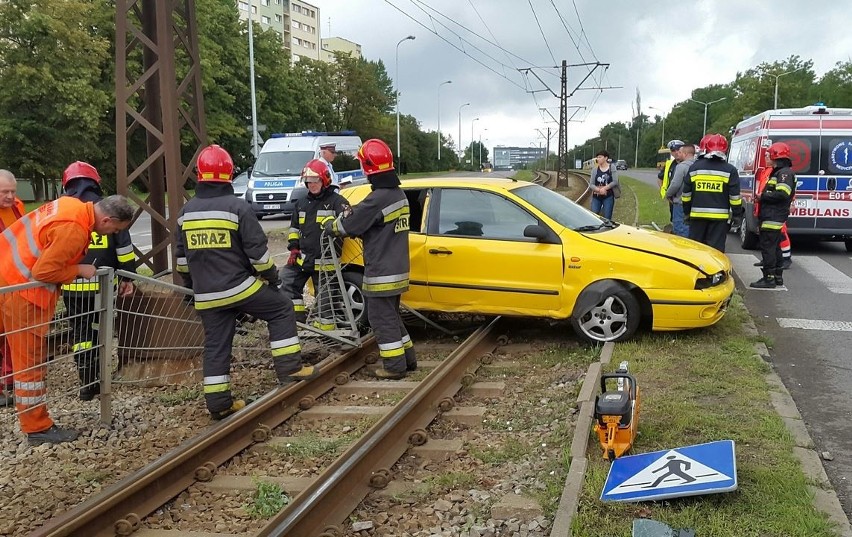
<point x="685" y="471"/>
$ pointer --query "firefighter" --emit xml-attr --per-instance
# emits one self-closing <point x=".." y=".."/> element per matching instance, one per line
<point x="11" y="209"/>
<point x="711" y="192"/>
<point x="322" y="203"/>
<point x="81" y="180"/>
<point x="760" y="180"/>
<point x="47" y="246"/>
<point x="381" y="220"/>
<point x="773" y="208"/>
<point x="221" y="253"/>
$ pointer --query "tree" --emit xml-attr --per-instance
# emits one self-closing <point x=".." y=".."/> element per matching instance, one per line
<point x="835" y="86"/>
<point x="54" y="100"/>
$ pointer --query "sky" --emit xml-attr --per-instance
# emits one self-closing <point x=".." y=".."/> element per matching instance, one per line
<point x="483" y="46"/>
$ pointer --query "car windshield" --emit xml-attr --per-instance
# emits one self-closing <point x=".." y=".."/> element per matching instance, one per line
<point x="241" y="179"/>
<point x="273" y="164"/>
<point x="560" y="208"/>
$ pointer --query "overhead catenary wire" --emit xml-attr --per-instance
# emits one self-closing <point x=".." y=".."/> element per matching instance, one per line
<point x="544" y="37"/>
<point x="491" y="33"/>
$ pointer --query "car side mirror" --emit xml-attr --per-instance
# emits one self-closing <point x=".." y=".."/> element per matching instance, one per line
<point x="538" y="232"/>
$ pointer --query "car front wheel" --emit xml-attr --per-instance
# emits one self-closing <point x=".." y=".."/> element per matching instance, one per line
<point x="606" y="311"/>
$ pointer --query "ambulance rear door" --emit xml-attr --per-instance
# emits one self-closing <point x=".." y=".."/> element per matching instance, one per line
<point x="834" y="208"/>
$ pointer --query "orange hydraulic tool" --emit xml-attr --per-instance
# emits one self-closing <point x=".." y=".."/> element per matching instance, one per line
<point x="617" y="413"/>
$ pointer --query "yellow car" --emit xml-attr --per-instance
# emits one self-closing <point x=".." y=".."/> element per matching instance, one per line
<point x="506" y="247"/>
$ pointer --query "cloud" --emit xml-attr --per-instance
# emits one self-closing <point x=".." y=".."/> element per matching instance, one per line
<point x="666" y="52"/>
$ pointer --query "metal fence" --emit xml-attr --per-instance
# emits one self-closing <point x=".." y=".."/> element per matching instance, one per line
<point x="152" y="337"/>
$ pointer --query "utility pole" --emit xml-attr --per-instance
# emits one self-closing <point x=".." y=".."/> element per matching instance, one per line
<point x="561" y="167"/>
<point x="547" y="151"/>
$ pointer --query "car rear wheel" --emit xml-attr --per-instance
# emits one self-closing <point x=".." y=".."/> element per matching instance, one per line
<point x="606" y="311"/>
<point x="353" y="283"/>
<point x="748" y="239"/>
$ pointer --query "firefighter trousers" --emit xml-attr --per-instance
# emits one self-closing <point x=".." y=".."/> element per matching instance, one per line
<point x="85" y="324"/>
<point x="26" y="326"/>
<point x="219" y="328"/>
<point x="710" y="232"/>
<point x="293" y="280"/>
<point x="770" y="250"/>
<point x="395" y="347"/>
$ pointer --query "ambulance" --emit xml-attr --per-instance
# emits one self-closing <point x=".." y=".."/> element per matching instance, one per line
<point x="275" y="180"/>
<point x="820" y="140"/>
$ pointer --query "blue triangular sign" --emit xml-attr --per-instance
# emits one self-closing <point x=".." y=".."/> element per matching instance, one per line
<point x="685" y="471"/>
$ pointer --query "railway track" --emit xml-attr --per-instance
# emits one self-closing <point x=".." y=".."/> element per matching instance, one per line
<point x="326" y="497"/>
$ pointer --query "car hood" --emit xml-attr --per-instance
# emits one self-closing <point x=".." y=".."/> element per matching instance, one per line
<point x="689" y="252"/>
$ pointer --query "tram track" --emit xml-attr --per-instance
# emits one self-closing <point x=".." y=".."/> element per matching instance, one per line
<point x="327" y="501"/>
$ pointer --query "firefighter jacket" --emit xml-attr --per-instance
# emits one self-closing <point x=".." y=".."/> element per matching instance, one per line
<point x="306" y="227"/>
<point x="115" y="250"/>
<point x="10" y="215"/>
<point x="666" y="177"/>
<point x="46" y="245"/>
<point x="381" y="220"/>
<point x="711" y="190"/>
<point x="221" y="248"/>
<point x="775" y="191"/>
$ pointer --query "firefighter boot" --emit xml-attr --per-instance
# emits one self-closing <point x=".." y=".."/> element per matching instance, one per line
<point x="307" y="372"/>
<point x="779" y="277"/>
<point x="90" y="386"/>
<point x="767" y="282"/>
<point x="384" y="374"/>
<point x="238" y="404"/>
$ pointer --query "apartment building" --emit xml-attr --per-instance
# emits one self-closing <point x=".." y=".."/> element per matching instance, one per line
<point x="330" y="45"/>
<point x="297" y="23"/>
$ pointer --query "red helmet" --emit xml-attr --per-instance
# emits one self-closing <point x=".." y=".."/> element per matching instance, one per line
<point x="214" y="165"/>
<point x="317" y="168"/>
<point x="779" y="150"/>
<point x="375" y="157"/>
<point x="714" y="143"/>
<point x="80" y="169"/>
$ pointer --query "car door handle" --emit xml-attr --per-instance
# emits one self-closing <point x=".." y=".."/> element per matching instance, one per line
<point x="439" y="251"/>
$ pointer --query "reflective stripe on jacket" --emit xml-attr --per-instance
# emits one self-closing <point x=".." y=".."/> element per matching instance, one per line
<point x="49" y="240"/>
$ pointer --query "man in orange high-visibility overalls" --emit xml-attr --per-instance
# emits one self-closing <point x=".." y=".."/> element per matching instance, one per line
<point x="46" y="246"/>
<point x="11" y="208"/>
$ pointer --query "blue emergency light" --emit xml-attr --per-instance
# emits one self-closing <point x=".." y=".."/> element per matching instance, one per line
<point x="311" y="134"/>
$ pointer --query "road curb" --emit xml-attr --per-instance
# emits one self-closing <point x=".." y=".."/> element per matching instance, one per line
<point x="570" y="499"/>
<point x="824" y="496"/>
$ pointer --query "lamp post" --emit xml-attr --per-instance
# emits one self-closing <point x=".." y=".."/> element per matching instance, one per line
<point x="439" y="116"/>
<point x="396" y="94"/>
<point x="775" y="106"/>
<point x="461" y="151"/>
<point x="255" y="145"/>
<point x="706" y="105"/>
<point x="480" y="148"/>
<point x="472" y="121"/>
<point x="663" y="135"/>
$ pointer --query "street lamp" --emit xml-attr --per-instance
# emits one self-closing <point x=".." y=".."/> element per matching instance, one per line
<point x="439" y="116"/>
<point x="706" y="105"/>
<point x="396" y="93"/>
<point x="662" y="136"/>
<point x="775" y="107"/>
<point x="472" y="121"/>
<point x="461" y="151"/>
<point x="255" y="145"/>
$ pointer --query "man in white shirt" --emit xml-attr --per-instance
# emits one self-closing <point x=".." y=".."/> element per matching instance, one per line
<point x="327" y="154"/>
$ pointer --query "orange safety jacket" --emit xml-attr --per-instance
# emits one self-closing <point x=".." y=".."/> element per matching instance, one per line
<point x="46" y="245"/>
<point x="760" y="180"/>
<point x="17" y="211"/>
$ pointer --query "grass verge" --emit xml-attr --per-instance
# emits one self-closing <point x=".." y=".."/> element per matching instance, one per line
<point x="652" y="208"/>
<point x="524" y="175"/>
<point x="700" y="386"/>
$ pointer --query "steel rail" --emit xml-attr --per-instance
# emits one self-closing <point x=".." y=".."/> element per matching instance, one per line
<point x="366" y="465"/>
<point x="120" y="508"/>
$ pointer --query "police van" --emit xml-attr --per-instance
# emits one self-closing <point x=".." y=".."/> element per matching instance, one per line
<point x="275" y="183"/>
<point x="820" y="140"/>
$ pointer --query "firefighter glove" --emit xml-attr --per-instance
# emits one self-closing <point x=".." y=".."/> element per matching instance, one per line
<point x="294" y="257"/>
<point x="328" y="226"/>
